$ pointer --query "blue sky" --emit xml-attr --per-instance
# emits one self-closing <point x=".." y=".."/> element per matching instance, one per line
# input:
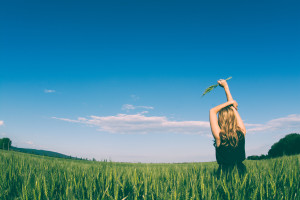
<point x="122" y="80"/>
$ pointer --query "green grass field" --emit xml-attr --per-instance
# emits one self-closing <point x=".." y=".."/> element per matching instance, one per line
<point x="24" y="176"/>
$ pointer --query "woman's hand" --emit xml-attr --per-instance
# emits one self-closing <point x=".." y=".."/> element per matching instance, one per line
<point x="234" y="104"/>
<point x="222" y="83"/>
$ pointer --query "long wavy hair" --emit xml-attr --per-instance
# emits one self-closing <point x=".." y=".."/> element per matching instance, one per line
<point x="230" y="134"/>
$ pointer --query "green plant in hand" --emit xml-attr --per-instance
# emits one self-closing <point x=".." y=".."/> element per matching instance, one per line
<point x="210" y="88"/>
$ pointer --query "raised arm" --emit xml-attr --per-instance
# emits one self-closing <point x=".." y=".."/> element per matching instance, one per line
<point x="215" y="129"/>
<point x="223" y="83"/>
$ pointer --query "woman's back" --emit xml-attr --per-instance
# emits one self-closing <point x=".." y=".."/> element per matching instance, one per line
<point x="228" y="155"/>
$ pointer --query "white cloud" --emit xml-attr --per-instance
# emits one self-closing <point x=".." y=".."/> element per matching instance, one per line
<point x="29" y="142"/>
<point x="144" y="112"/>
<point x="49" y="91"/>
<point x="141" y="124"/>
<point x="70" y="120"/>
<point x="1" y="123"/>
<point x="129" y="107"/>
<point x="284" y="123"/>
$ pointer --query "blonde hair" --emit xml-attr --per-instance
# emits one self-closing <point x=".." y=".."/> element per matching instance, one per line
<point x="230" y="132"/>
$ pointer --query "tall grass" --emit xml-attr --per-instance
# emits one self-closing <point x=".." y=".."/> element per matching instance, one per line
<point x="27" y="177"/>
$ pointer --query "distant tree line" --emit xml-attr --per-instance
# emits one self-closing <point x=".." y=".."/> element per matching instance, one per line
<point x="5" y="143"/>
<point x="289" y="145"/>
<point x="255" y="157"/>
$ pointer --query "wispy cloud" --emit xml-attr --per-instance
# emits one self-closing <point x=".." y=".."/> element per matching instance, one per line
<point x="1" y="123"/>
<point x="49" y="91"/>
<point x="79" y="119"/>
<point x="141" y="124"/>
<point x="285" y="123"/>
<point x="129" y="107"/>
<point x="30" y="143"/>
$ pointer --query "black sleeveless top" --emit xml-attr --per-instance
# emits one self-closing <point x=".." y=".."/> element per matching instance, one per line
<point x="230" y="155"/>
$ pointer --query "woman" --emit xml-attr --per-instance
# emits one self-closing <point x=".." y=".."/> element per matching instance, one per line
<point x="229" y="132"/>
